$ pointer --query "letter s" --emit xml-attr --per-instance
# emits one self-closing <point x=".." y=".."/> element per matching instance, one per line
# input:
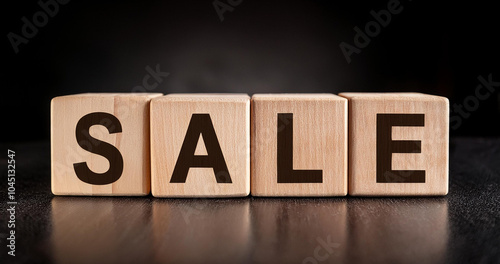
<point x="111" y="153"/>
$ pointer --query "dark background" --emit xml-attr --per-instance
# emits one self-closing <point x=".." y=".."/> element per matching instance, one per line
<point x="260" y="47"/>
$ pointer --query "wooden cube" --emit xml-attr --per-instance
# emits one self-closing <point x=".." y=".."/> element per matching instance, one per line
<point x="100" y="144"/>
<point x="398" y="144"/>
<point x="200" y="145"/>
<point x="299" y="145"/>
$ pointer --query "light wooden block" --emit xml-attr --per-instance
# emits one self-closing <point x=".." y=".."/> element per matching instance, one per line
<point x="299" y="145"/>
<point x="100" y="144"/>
<point x="213" y="132"/>
<point x="398" y="144"/>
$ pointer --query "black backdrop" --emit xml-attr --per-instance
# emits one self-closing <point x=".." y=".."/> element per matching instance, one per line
<point x="260" y="46"/>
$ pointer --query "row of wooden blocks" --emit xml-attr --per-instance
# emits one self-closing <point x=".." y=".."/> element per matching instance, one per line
<point x="231" y="145"/>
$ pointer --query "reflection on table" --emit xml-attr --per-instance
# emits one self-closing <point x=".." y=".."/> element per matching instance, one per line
<point x="255" y="230"/>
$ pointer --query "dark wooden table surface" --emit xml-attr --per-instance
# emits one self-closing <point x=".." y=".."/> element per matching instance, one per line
<point x="462" y="227"/>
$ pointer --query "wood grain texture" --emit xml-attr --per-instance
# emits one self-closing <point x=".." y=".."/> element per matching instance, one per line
<point x="433" y="137"/>
<point x="171" y="116"/>
<point x="132" y="111"/>
<point x="319" y="143"/>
